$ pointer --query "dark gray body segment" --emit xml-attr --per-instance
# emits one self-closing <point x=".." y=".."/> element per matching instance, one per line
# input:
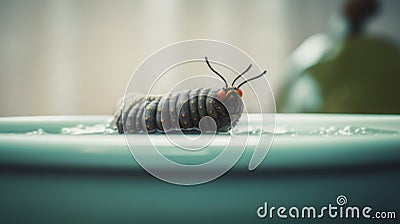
<point x="139" y="116"/>
<point x="150" y="115"/>
<point x="130" y="124"/>
<point x="210" y="105"/>
<point x="201" y="101"/>
<point x="173" y="112"/>
<point x="158" y="113"/>
<point x="165" y="118"/>
<point x="185" y="119"/>
<point x="193" y="106"/>
<point x="224" y="120"/>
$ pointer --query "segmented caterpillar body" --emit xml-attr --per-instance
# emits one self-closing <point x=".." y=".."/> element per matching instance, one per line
<point x="182" y="111"/>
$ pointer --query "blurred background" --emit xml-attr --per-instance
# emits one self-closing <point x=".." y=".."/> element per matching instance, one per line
<point x="76" y="57"/>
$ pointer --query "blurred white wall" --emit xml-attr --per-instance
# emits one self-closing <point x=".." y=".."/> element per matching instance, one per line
<point x="76" y="57"/>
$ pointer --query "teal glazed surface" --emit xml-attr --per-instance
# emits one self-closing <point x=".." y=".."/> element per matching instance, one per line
<point x="55" y="178"/>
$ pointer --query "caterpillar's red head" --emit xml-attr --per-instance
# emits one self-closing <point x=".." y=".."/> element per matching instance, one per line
<point x="231" y="98"/>
<point x="222" y="93"/>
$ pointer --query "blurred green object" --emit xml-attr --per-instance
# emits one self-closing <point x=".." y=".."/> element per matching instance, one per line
<point x="345" y="70"/>
<point x="55" y="178"/>
<point x="359" y="75"/>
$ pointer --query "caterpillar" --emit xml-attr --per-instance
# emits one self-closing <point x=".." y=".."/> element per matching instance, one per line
<point x="182" y="111"/>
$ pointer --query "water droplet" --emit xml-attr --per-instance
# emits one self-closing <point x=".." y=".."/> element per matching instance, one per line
<point x="39" y="131"/>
